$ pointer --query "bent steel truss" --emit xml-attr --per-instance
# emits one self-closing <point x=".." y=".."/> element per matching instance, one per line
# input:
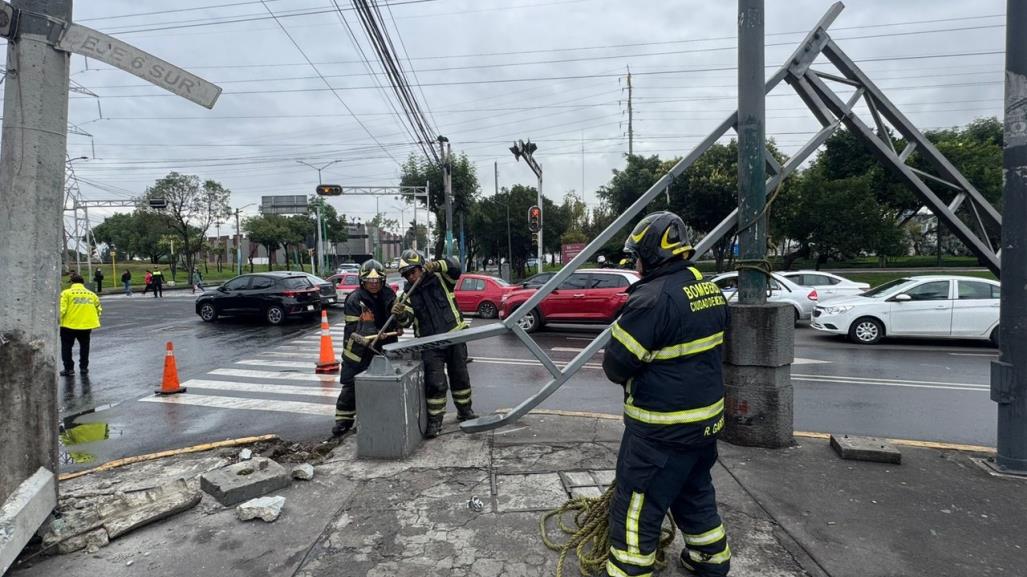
<point x="832" y="111"/>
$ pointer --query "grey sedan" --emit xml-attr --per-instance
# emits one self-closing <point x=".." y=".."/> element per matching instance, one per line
<point x="781" y="290"/>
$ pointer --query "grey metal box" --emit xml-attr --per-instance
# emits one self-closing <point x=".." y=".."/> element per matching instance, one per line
<point x="391" y="411"/>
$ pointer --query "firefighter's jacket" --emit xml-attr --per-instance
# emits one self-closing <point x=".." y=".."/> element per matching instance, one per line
<point x="666" y="351"/>
<point x="432" y="307"/>
<point x="367" y="319"/>
<point x="80" y="308"/>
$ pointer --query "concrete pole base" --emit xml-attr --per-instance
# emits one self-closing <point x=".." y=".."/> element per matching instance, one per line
<point x="757" y="376"/>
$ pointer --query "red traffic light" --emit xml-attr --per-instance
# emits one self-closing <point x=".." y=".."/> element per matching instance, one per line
<point x="534" y="219"/>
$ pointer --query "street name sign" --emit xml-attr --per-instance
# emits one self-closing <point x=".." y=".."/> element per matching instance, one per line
<point x="93" y="44"/>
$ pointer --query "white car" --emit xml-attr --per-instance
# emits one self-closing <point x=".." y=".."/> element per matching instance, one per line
<point x="781" y="290"/>
<point x="940" y="306"/>
<point x="829" y="286"/>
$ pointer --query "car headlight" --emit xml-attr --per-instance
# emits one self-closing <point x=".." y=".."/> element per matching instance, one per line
<point x="838" y="309"/>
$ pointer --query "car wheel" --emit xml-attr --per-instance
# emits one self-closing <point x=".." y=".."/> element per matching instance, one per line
<point x="208" y="312"/>
<point x="275" y="315"/>
<point x="866" y="331"/>
<point x="994" y="338"/>
<point x="487" y="310"/>
<point x="530" y="322"/>
<point x="797" y="316"/>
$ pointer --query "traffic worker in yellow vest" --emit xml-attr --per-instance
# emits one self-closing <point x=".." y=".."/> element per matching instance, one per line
<point x="80" y="314"/>
<point x="666" y="352"/>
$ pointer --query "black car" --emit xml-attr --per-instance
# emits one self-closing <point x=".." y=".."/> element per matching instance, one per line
<point x="329" y="296"/>
<point x="273" y="296"/>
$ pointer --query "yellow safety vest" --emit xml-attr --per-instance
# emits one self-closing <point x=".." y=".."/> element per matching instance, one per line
<point x="80" y="308"/>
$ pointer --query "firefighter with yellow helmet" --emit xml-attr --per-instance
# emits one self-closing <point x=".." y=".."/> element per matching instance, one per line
<point x="665" y="351"/>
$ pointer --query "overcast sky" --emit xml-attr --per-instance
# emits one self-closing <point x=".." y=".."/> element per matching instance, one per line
<point x="486" y="70"/>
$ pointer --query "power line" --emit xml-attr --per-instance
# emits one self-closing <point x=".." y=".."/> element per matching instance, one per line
<point x="339" y="98"/>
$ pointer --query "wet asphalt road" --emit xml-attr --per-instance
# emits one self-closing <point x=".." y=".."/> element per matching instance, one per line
<point x="246" y="378"/>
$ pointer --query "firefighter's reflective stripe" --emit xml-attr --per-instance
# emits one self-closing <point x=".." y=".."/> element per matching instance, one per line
<point x="444" y="271"/>
<point x="349" y="354"/>
<point x="636" y="559"/>
<point x="716" y="559"/>
<point x="436" y="406"/>
<point x="689" y="348"/>
<point x="460" y="322"/>
<point x="616" y="571"/>
<point x="695" y="272"/>
<point x="624" y="337"/>
<point x="345" y="415"/>
<point x="631" y="523"/>
<point x="462" y="397"/>
<point x="707" y="538"/>
<point x="352" y="318"/>
<point x="666" y="353"/>
<point x="674" y="417"/>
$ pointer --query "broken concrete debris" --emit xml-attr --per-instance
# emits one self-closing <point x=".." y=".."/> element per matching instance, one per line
<point x="304" y="472"/>
<point x="265" y="508"/>
<point x="244" y="481"/>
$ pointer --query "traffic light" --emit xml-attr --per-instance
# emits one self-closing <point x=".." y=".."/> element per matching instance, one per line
<point x="8" y="20"/>
<point x="534" y="238"/>
<point x="329" y="190"/>
<point x="534" y="219"/>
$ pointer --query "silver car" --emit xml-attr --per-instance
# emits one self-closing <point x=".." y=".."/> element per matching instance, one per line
<point x="829" y="286"/>
<point x="782" y="290"/>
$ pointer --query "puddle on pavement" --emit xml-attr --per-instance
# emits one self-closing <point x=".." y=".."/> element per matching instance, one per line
<point x="77" y="435"/>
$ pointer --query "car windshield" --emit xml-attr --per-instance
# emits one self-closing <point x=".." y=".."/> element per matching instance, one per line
<point x="500" y="281"/>
<point x="888" y="288"/>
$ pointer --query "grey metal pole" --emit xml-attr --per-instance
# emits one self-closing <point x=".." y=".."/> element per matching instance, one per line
<point x="631" y="130"/>
<point x="509" y="237"/>
<point x="1009" y="373"/>
<point x="752" y="195"/>
<point x="89" y="242"/>
<point x="238" y="245"/>
<point x="78" y="239"/>
<point x="447" y="175"/>
<point x="32" y="158"/>
<point x="542" y="213"/>
<point x="320" y="240"/>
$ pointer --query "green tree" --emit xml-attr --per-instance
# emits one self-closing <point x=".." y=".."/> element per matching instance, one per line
<point x="418" y="171"/>
<point x="192" y="207"/>
<point x="268" y="230"/>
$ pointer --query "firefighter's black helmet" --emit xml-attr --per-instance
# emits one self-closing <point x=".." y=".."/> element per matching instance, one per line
<point x="659" y="238"/>
<point x="409" y="259"/>
<point x="372" y="270"/>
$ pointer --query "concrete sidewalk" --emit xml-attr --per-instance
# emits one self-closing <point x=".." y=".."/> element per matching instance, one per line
<point x="798" y="511"/>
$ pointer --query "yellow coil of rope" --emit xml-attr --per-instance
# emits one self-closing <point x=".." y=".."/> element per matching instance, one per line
<point x="589" y="537"/>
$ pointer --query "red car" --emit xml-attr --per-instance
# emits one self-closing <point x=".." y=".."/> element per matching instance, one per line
<point x="348" y="282"/>
<point x="587" y="296"/>
<point x="481" y="294"/>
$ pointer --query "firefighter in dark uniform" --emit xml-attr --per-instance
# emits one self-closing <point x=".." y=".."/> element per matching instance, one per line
<point x="366" y="310"/>
<point x="666" y="352"/>
<point x="432" y="310"/>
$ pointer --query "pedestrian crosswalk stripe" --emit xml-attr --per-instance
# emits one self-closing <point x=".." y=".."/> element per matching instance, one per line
<point x="235" y="386"/>
<point x="292" y="354"/>
<point x="282" y="375"/>
<point x="281" y="364"/>
<point x="274" y="405"/>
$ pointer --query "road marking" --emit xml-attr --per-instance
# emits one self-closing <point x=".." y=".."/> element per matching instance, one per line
<point x="892" y="383"/>
<point x="292" y="354"/>
<point x="234" y="386"/>
<point x="273" y="405"/>
<point x="526" y="362"/>
<point x="805" y="361"/>
<point x="571" y="350"/>
<point x="279" y="364"/>
<point x="579" y="339"/>
<point x="293" y="376"/>
<point x="991" y="355"/>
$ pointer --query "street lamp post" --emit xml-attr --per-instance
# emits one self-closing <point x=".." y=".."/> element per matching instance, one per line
<point x="238" y="239"/>
<point x="320" y="236"/>
<point x="526" y="150"/>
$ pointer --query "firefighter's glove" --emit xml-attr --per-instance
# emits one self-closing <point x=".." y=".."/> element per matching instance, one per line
<point x="433" y="266"/>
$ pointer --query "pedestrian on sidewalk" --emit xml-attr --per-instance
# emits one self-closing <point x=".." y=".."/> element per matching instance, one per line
<point x="432" y="310"/>
<point x="666" y="351"/>
<point x="366" y="310"/>
<point x="98" y="279"/>
<point x="147" y="281"/>
<point x="126" y="280"/>
<point x="79" y="315"/>
<point x="158" y="283"/>
<point x="197" y="280"/>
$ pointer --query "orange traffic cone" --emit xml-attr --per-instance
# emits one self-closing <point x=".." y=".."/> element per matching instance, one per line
<point x="327" y="363"/>
<point x="169" y="385"/>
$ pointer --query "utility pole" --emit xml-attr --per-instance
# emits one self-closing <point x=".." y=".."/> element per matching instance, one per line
<point x="509" y="241"/>
<point x="32" y="195"/>
<point x="238" y="245"/>
<point x="761" y="338"/>
<point x="447" y="184"/>
<point x="1009" y="373"/>
<point x="520" y="149"/>
<point x="631" y="131"/>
